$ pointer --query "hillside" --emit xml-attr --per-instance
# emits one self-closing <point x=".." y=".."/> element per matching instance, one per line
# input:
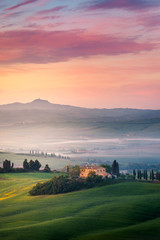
<point x="125" y="211"/>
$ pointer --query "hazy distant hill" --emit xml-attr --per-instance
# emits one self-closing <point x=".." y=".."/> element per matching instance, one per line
<point x="40" y="120"/>
<point x="50" y="112"/>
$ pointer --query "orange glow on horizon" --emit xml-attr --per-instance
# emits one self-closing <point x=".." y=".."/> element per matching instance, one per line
<point x="100" y="82"/>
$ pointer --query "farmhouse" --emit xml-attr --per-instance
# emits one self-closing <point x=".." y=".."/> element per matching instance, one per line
<point x="86" y="169"/>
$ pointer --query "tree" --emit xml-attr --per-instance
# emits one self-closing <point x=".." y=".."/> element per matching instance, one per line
<point x="76" y="171"/>
<point x="115" y="168"/>
<point x="130" y="177"/>
<point x="152" y="175"/>
<point x="68" y="169"/>
<point x="37" y="165"/>
<point x="134" y="173"/>
<point x="107" y="167"/>
<point x="73" y="171"/>
<point x="61" y="184"/>
<point x="47" y="168"/>
<point x="92" y="174"/>
<point x="158" y="176"/>
<point x="145" y="175"/>
<point x="122" y="176"/>
<point x="25" y="164"/>
<point x="139" y="174"/>
<point x="114" y="164"/>
<point x="31" y="165"/>
<point x="93" y="179"/>
<point x="7" y="165"/>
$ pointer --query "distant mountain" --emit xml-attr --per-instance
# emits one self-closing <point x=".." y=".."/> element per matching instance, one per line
<point x="79" y="112"/>
<point x="43" y="119"/>
<point x="35" y="104"/>
<point x="39" y="103"/>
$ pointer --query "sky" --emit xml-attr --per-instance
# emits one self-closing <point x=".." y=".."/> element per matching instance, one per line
<point x="88" y="53"/>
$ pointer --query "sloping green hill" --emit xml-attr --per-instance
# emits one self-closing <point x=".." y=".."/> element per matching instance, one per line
<point x="121" y="211"/>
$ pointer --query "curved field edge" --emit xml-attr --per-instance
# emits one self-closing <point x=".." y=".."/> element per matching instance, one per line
<point x="106" y="212"/>
<point x="143" y="231"/>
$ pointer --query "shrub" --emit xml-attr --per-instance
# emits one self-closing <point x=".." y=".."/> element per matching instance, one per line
<point x="61" y="184"/>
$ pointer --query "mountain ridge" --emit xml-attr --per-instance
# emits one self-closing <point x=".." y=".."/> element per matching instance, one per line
<point x="40" y="110"/>
<point x="41" y="122"/>
<point x="43" y="102"/>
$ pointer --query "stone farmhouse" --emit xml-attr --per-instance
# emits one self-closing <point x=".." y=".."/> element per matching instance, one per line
<point x="100" y="171"/>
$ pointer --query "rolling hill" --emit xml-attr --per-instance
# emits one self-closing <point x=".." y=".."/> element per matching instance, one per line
<point x="125" y="211"/>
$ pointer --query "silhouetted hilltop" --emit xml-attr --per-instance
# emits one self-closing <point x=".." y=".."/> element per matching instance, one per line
<point x="43" y="105"/>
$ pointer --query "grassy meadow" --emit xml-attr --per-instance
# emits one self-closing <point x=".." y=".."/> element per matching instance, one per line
<point x="121" y="211"/>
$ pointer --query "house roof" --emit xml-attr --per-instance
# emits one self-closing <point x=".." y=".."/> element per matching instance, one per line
<point x="92" y="167"/>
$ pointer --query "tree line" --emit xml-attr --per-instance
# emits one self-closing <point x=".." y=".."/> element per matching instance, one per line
<point x="28" y="166"/>
<point x="145" y="175"/>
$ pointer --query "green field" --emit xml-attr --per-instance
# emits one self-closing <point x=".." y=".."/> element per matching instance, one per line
<point x="121" y="211"/>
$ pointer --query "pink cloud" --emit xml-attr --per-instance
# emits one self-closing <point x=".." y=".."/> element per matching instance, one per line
<point x="52" y="10"/>
<point x="38" y="18"/>
<point x="149" y="21"/>
<point x="42" y="2"/>
<point x="20" y="4"/>
<point x="125" y="4"/>
<point x="46" y="14"/>
<point x="6" y="26"/>
<point x="47" y="26"/>
<point x="57" y="46"/>
<point x="11" y="15"/>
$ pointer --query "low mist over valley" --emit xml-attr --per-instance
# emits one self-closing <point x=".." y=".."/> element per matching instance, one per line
<point x="80" y="132"/>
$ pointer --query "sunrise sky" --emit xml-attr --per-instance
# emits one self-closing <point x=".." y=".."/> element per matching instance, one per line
<point x="95" y="53"/>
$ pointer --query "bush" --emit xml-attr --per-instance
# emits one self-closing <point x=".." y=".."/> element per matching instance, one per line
<point x="64" y="184"/>
<point x="93" y="180"/>
<point x="61" y="184"/>
<point x="46" y="168"/>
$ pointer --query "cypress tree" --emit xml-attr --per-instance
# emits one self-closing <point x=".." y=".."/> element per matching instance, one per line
<point x="157" y="176"/>
<point x="144" y="174"/>
<point x="152" y="173"/>
<point x="115" y="168"/>
<point x="47" y="168"/>
<point x="37" y="165"/>
<point x="25" y="164"/>
<point x="134" y="173"/>
<point x="140" y="174"/>
<point x="31" y="165"/>
<point x="7" y="165"/>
